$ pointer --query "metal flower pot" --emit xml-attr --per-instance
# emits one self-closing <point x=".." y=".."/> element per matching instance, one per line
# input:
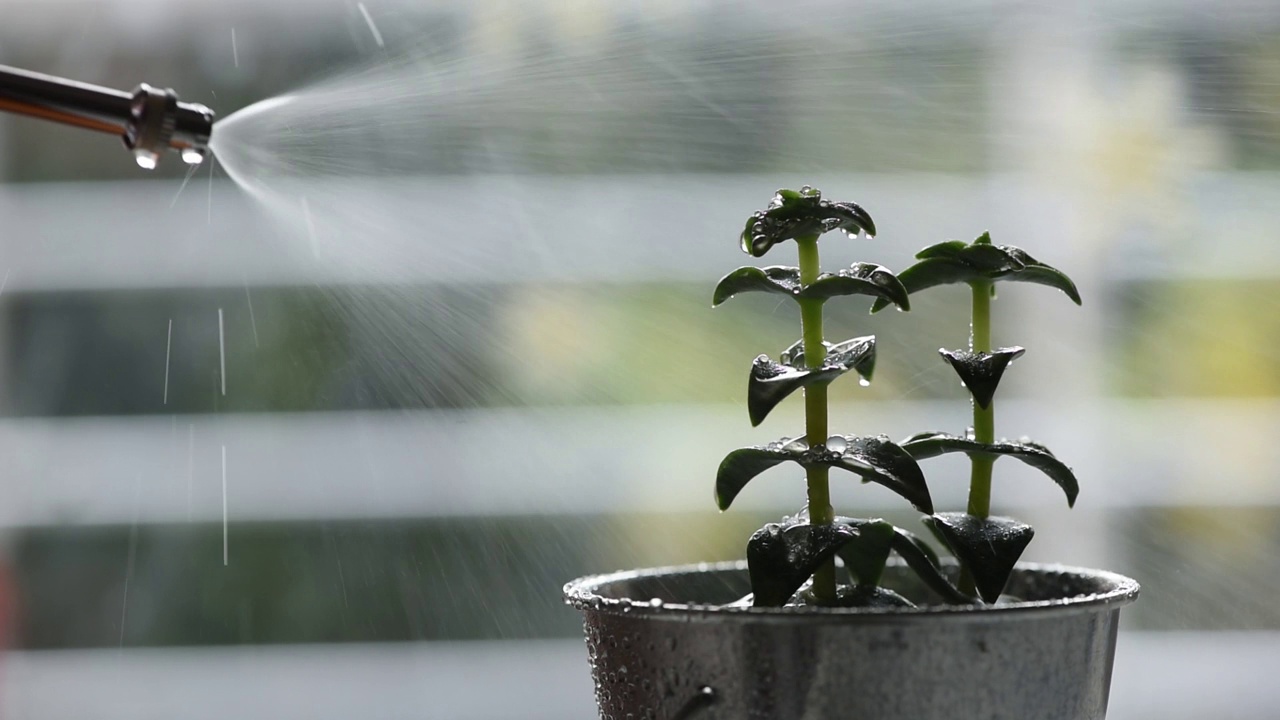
<point x="662" y="648"/>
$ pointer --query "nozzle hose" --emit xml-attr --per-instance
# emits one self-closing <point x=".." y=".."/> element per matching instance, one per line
<point x="149" y="120"/>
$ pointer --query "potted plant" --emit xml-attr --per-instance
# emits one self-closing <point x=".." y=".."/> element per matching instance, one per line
<point x="833" y="616"/>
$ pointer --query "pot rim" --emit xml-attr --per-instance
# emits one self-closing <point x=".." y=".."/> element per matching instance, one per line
<point x="583" y="595"/>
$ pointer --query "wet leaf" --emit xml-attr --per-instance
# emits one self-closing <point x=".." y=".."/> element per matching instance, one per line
<point x="954" y="262"/>
<point x="859" y="279"/>
<point x="987" y="547"/>
<point x="924" y="562"/>
<point x="777" y="279"/>
<point x="741" y="466"/>
<point x="865" y="555"/>
<point x="800" y="213"/>
<point x="771" y="382"/>
<point x="875" y="459"/>
<point x="781" y="558"/>
<point x="915" y="552"/>
<point x="931" y="444"/>
<point x="947" y="249"/>
<point x="879" y="460"/>
<point x="981" y="372"/>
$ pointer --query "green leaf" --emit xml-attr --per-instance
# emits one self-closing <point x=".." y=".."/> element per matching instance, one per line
<point x="981" y="372"/>
<point x="947" y="249"/>
<point x="771" y="382"/>
<point x="780" y="558"/>
<point x="865" y="555"/>
<point x="930" y="273"/>
<point x="777" y="279"/>
<point x="931" y="444"/>
<point x="954" y="262"/>
<point x="1045" y="275"/>
<point x="800" y="213"/>
<point x="987" y="547"/>
<point x="875" y="459"/>
<point x="742" y="466"/>
<point x="924" y="562"/>
<point x="881" y="461"/>
<point x="864" y="560"/>
<point x="860" y="279"/>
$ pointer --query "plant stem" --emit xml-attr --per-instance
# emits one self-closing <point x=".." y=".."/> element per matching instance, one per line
<point x="815" y="413"/>
<point x="984" y="421"/>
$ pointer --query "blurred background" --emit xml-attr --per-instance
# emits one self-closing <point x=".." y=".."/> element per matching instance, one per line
<point x="321" y="430"/>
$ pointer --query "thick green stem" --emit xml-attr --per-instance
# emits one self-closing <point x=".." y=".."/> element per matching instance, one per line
<point x="815" y="413"/>
<point x="984" y="421"/>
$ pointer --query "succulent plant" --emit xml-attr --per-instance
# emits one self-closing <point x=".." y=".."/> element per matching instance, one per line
<point x="986" y="546"/>
<point x="794" y="561"/>
<point x="784" y="557"/>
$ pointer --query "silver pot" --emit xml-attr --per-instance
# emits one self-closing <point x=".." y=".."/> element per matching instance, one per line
<point x="661" y="648"/>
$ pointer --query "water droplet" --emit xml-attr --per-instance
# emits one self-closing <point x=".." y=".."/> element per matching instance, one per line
<point x="837" y="444"/>
<point x="146" y="159"/>
<point x="192" y="156"/>
<point x="797" y="445"/>
<point x="656" y="602"/>
<point x="864" y="382"/>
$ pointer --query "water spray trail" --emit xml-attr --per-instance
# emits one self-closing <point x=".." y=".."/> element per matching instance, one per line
<point x="249" y="300"/>
<point x="222" y="354"/>
<point x="190" y="171"/>
<point x="4" y="282"/>
<point x="212" y="160"/>
<point x="168" y="346"/>
<point x="235" y="53"/>
<point x="224" y="506"/>
<point x="133" y="552"/>
<point x="342" y="580"/>
<point x="191" y="464"/>
<point x="311" y="227"/>
<point x="377" y="36"/>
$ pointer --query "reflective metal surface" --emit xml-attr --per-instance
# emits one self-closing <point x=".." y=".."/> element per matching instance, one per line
<point x="656" y="640"/>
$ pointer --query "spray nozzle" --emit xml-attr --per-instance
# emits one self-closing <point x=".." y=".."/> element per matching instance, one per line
<point x="150" y="120"/>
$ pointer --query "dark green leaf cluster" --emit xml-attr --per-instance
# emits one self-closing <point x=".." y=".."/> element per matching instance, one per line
<point x="771" y="382"/>
<point x="953" y="262"/>
<point x="981" y="371"/>
<point x="988" y="547"/>
<point x="860" y="279"/>
<point x="874" y="459"/>
<point x="781" y="557"/>
<point x="799" y="213"/>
